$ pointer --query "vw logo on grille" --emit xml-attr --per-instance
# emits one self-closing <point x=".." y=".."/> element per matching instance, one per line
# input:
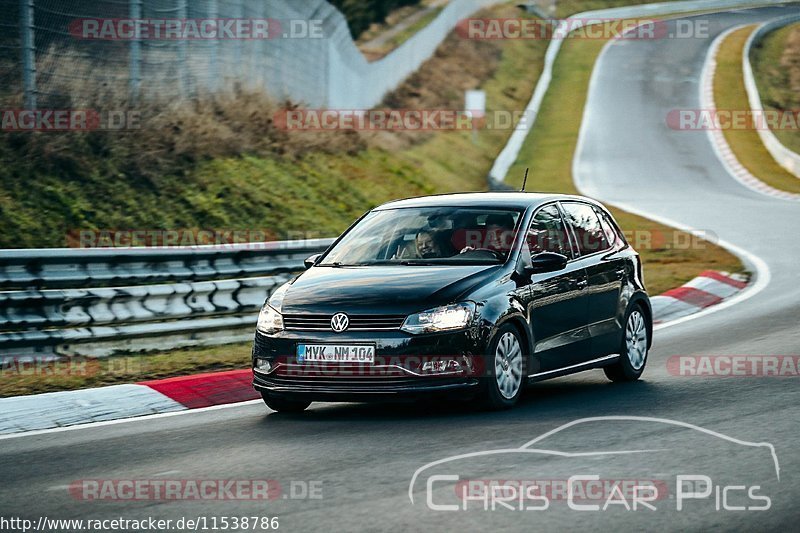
<point x="340" y="322"/>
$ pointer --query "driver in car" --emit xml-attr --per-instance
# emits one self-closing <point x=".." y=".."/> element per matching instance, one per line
<point x="499" y="235"/>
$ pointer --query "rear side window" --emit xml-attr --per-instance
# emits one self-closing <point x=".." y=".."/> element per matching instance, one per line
<point x="548" y="233"/>
<point x="609" y="228"/>
<point x="587" y="228"/>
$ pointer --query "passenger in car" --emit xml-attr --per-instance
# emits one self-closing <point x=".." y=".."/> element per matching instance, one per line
<point x="433" y="244"/>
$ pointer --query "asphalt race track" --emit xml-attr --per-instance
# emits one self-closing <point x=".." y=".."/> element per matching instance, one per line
<point x="364" y="457"/>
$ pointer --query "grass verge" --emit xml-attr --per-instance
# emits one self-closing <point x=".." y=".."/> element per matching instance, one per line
<point x="776" y="67"/>
<point x="730" y="93"/>
<point x="373" y="53"/>
<point x="414" y="28"/>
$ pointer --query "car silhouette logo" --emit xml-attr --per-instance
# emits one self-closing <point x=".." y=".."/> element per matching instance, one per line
<point x="534" y="447"/>
<point x="340" y="322"/>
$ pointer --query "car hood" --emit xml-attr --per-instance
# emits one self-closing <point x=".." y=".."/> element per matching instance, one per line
<point x="381" y="289"/>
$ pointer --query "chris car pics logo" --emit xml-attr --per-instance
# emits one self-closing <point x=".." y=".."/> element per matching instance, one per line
<point x="537" y="475"/>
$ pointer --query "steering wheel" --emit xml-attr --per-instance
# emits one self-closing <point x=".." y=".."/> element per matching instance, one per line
<point x="495" y="253"/>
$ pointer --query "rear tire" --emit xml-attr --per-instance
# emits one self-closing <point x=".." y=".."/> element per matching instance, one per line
<point x="633" y="349"/>
<point x="506" y="367"/>
<point x="282" y="405"/>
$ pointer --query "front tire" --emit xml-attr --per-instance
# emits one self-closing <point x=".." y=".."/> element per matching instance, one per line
<point x="282" y="405"/>
<point x="634" y="349"/>
<point x="505" y="369"/>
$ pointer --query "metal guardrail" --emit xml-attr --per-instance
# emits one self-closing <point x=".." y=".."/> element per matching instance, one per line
<point x="102" y="301"/>
<point x="782" y="155"/>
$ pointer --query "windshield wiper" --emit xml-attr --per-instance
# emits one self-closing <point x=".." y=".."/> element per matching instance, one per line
<point x="339" y="264"/>
<point x="412" y="262"/>
<point x="417" y="263"/>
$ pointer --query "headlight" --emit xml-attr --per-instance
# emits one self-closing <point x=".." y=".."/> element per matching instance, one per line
<point x="269" y="321"/>
<point x="276" y="298"/>
<point x="445" y="318"/>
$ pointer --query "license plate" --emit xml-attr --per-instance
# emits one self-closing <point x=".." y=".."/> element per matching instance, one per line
<point x="332" y="353"/>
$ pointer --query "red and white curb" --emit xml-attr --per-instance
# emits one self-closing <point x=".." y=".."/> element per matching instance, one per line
<point x="708" y="289"/>
<point x="62" y="409"/>
<point x="717" y="136"/>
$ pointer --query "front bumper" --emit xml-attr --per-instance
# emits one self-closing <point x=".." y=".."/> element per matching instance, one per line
<point x="396" y="375"/>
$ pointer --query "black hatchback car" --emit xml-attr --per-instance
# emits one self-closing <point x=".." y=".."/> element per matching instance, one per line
<point x="473" y="294"/>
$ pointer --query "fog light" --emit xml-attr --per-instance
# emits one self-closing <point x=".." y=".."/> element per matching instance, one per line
<point x="263" y="366"/>
<point x="441" y="365"/>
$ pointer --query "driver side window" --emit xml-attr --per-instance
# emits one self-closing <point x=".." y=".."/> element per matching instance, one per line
<point x="547" y="233"/>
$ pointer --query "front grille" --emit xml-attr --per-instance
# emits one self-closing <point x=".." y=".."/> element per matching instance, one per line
<point x="357" y="322"/>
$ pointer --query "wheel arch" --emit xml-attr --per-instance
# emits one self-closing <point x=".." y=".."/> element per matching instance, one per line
<point x="521" y="325"/>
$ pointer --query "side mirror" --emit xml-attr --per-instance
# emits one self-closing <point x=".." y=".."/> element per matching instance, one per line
<point x="311" y="261"/>
<point x="546" y="262"/>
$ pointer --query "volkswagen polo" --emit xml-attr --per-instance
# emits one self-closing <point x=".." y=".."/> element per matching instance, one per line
<point x="474" y="294"/>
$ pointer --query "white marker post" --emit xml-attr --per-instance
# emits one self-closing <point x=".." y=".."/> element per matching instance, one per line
<point x="475" y="106"/>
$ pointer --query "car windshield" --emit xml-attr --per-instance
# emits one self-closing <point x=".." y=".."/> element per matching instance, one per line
<point x="432" y="235"/>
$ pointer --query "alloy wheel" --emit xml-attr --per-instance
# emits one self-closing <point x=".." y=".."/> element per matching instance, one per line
<point x="508" y="365"/>
<point x="636" y="339"/>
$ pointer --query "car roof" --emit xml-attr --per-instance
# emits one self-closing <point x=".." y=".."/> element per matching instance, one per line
<point x="510" y="200"/>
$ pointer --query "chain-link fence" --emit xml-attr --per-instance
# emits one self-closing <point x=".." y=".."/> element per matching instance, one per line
<point x="72" y="53"/>
<point x="59" y="54"/>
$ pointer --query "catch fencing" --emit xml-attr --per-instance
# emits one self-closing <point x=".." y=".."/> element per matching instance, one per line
<point x="72" y="53"/>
